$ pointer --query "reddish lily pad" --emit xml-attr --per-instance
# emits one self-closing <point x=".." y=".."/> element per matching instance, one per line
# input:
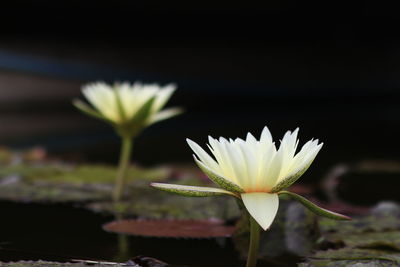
<point x="211" y="228"/>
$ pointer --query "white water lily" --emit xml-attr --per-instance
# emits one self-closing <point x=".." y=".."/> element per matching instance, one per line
<point x="125" y="103"/>
<point x="129" y="108"/>
<point x="255" y="171"/>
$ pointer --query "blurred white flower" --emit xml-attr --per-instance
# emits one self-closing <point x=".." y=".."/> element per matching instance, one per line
<point x="128" y="108"/>
<point x="125" y="103"/>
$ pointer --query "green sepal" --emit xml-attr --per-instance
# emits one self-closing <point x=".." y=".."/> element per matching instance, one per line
<point x="143" y="113"/>
<point x="222" y="182"/>
<point x="120" y="107"/>
<point x="314" y="208"/>
<point x="88" y="110"/>
<point x="192" y="191"/>
<point x="134" y="125"/>
<point x="285" y="183"/>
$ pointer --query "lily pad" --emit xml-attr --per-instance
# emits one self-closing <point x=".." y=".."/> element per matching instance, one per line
<point x="352" y="257"/>
<point x="369" y="240"/>
<point x="147" y="202"/>
<point x="49" y="264"/>
<point x="139" y="261"/>
<point x="172" y="228"/>
<point x="372" y="240"/>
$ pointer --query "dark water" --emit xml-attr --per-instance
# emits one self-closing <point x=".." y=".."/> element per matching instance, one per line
<point x="63" y="232"/>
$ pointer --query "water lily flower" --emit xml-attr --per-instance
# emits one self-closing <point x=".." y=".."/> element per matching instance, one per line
<point x="129" y="108"/>
<point x="252" y="170"/>
<point x="256" y="172"/>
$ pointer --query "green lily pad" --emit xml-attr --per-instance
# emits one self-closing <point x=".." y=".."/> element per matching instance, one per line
<point x="63" y="183"/>
<point x="171" y="228"/>
<point x="361" y="225"/>
<point x="352" y="257"/>
<point x="371" y="240"/>
<point x="147" y="202"/>
<point x="368" y="240"/>
<point x="80" y="174"/>
<point x="47" y="264"/>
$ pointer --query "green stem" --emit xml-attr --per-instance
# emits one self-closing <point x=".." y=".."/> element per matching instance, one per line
<point x="254" y="243"/>
<point x="125" y="155"/>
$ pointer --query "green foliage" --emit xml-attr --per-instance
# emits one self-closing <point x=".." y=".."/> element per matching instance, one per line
<point x="47" y="264"/>
<point x="352" y="257"/>
<point x="372" y="240"/>
<point x="389" y="239"/>
<point x="149" y="203"/>
<point x="78" y="175"/>
<point x="91" y="186"/>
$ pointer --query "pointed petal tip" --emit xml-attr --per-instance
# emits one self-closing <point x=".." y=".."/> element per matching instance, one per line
<point x="153" y="184"/>
<point x="76" y="101"/>
<point x="173" y="86"/>
<point x="189" y="141"/>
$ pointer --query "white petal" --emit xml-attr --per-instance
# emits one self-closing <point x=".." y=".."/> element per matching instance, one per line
<point x="163" y="95"/>
<point x="262" y="207"/>
<point x="251" y="142"/>
<point x="164" y="114"/>
<point x="250" y="138"/>
<point x="297" y="171"/>
<point x="266" y="136"/>
<point x="224" y="182"/>
<point x="251" y="163"/>
<point x="288" y="147"/>
<point x="238" y="163"/>
<point x="129" y="99"/>
<point x="305" y="150"/>
<point x="103" y="98"/>
<point x="273" y="171"/>
<point x="309" y="158"/>
<point x="203" y="156"/>
<point x="224" y="162"/>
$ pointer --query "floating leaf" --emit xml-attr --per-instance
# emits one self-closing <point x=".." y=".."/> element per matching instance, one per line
<point x="370" y="223"/>
<point x="368" y="240"/>
<point x="172" y="228"/>
<point x="191" y="191"/>
<point x="352" y="257"/>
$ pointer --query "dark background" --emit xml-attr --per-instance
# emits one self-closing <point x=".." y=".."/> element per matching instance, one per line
<point x="331" y="69"/>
